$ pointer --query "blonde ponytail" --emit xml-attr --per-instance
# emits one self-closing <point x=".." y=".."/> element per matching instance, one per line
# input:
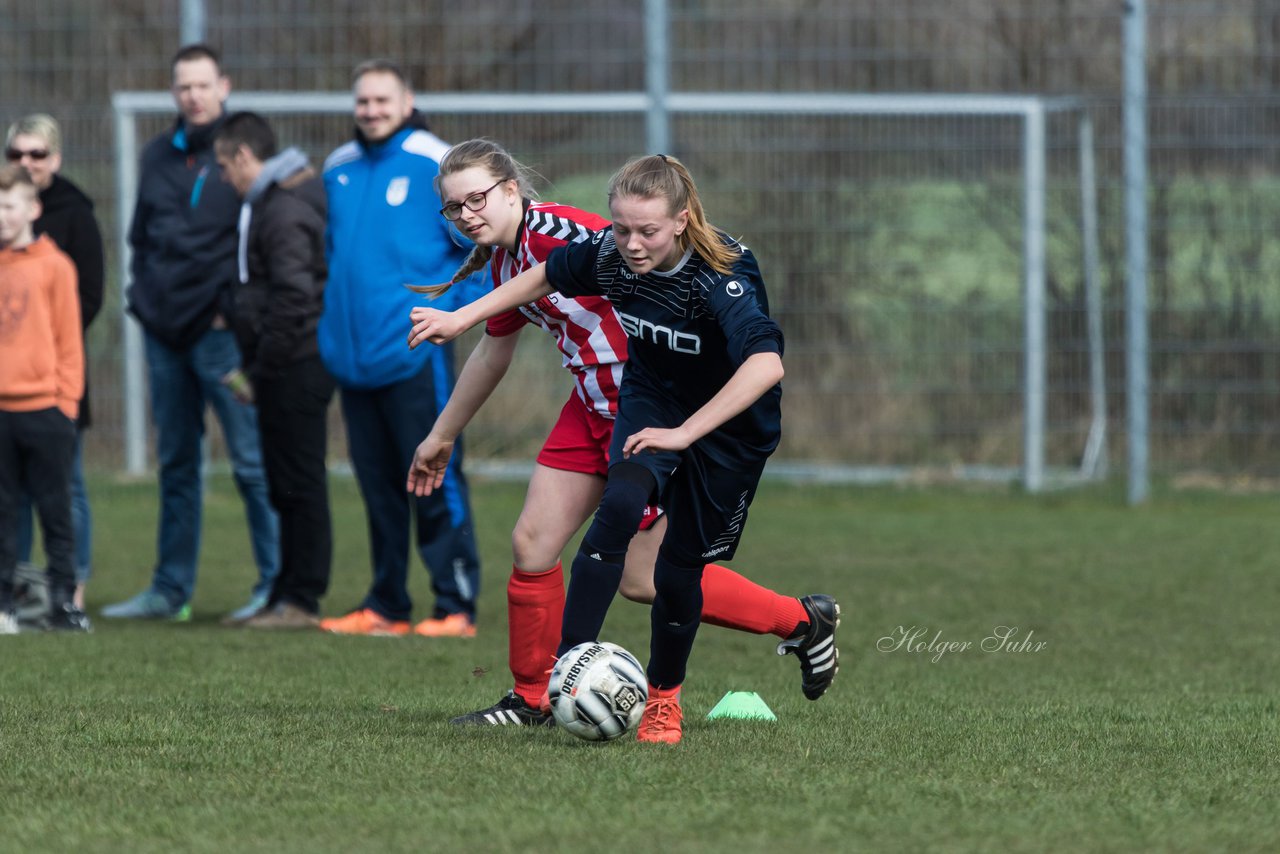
<point x="478" y="258"/>
<point x="663" y="177"/>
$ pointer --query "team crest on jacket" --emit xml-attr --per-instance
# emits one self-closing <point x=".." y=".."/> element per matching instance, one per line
<point x="398" y="191"/>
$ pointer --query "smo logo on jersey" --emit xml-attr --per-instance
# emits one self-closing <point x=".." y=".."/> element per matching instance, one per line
<point x="679" y="342"/>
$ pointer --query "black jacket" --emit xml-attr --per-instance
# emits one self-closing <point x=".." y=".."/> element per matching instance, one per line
<point x="183" y="236"/>
<point x="67" y="217"/>
<point x="276" y="311"/>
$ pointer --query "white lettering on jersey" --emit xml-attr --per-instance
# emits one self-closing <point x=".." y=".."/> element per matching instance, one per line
<point x="680" y="342"/>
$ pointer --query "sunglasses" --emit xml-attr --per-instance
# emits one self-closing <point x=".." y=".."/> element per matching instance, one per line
<point x="15" y="154"/>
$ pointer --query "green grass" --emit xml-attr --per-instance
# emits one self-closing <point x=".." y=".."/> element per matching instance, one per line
<point x="1148" y="722"/>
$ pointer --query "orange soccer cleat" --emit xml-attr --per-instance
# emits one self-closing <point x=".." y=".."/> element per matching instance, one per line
<point x="661" y="722"/>
<point x="451" y="626"/>
<point x="365" y="621"/>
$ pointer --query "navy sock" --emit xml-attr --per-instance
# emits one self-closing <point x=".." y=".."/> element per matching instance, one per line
<point x="675" y="617"/>
<point x="592" y="585"/>
<point x="597" y="567"/>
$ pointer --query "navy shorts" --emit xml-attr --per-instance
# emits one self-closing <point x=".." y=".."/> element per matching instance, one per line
<point x="705" y="489"/>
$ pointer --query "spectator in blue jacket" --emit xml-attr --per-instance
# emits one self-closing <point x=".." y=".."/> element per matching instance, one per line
<point x="183" y="238"/>
<point x="384" y="231"/>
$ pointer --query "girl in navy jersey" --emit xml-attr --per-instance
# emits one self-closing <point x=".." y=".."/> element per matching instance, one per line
<point x="696" y="418"/>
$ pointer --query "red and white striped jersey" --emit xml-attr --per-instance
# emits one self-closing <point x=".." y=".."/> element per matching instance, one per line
<point x="587" y="329"/>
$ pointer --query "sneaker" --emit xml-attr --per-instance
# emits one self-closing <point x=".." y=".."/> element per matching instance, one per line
<point x="511" y="710"/>
<point x="256" y="604"/>
<point x="8" y="623"/>
<point x="451" y="626"/>
<point x="147" y="605"/>
<point x="661" y="722"/>
<point x="283" y="616"/>
<point x="31" y="599"/>
<point x="814" y="643"/>
<point x="366" y="621"/>
<point x="68" y="618"/>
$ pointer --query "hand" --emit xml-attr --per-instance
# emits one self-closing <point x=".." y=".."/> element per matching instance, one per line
<point x="433" y="325"/>
<point x="655" y="439"/>
<point x="237" y="382"/>
<point x="430" y="460"/>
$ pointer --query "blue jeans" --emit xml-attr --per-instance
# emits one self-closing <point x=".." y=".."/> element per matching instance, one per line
<point x="182" y="385"/>
<point x="384" y="427"/>
<point x="81" y="521"/>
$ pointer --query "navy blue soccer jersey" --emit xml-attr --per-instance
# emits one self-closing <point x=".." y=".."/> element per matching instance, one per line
<point x="688" y="329"/>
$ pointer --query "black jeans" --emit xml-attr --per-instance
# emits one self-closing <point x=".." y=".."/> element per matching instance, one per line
<point x="292" y="420"/>
<point x="36" y="451"/>
<point x="384" y="427"/>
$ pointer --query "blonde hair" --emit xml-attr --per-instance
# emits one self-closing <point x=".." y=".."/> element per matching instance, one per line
<point x="42" y="125"/>
<point x="662" y="177"/>
<point x="13" y="175"/>
<point x="498" y="162"/>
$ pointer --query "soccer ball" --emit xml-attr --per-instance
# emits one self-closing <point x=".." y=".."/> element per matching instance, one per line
<point x="598" y="691"/>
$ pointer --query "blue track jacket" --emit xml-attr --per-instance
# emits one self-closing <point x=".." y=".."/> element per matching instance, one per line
<point x="385" y="231"/>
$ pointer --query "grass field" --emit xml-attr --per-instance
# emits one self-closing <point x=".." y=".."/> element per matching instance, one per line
<point x="1147" y="720"/>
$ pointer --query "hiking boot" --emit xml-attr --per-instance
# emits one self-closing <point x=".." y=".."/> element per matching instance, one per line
<point x="67" y="618"/>
<point x="814" y="643"/>
<point x="661" y="722"/>
<point x="8" y="623"/>
<point x="366" y="621"/>
<point x="511" y="710"/>
<point x="283" y="616"/>
<point x="451" y="626"/>
<point x="147" y="605"/>
<point x="256" y="604"/>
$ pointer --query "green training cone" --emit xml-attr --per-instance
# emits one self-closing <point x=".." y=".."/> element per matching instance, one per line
<point x="744" y="705"/>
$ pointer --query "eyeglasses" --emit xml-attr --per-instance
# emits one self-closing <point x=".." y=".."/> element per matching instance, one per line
<point x="13" y="155"/>
<point x="474" y="202"/>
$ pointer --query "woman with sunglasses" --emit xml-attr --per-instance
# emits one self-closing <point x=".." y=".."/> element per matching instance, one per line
<point x="66" y="215"/>
<point x="487" y="195"/>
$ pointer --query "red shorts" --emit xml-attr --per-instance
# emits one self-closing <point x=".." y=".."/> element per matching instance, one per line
<point x="579" y="442"/>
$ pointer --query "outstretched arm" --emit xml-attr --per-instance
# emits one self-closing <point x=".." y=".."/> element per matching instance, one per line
<point x="759" y="373"/>
<point x="485" y="368"/>
<point x="437" y="327"/>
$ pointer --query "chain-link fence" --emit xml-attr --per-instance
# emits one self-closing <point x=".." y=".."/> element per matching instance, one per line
<point x="893" y="247"/>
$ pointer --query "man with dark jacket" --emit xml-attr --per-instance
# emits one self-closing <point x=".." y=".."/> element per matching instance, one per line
<point x="183" y="238"/>
<point x="275" y="308"/>
<point x="66" y="215"/>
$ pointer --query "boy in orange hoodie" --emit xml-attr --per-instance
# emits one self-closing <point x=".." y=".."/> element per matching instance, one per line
<point x="41" y="380"/>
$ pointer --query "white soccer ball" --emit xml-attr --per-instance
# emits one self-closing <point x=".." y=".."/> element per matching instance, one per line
<point x="598" y="691"/>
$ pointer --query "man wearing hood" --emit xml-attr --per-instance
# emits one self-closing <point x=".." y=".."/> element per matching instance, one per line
<point x="385" y="231"/>
<point x="183" y="238"/>
<point x="276" y="306"/>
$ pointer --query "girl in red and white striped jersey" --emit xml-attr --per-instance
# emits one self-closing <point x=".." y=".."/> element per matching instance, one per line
<point x="487" y="194"/>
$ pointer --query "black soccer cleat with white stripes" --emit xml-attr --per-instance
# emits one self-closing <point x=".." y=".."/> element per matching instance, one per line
<point x="511" y="710"/>
<point x="814" y="643"/>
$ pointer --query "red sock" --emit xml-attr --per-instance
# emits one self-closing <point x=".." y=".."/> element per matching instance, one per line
<point x="535" y="608"/>
<point x="733" y="602"/>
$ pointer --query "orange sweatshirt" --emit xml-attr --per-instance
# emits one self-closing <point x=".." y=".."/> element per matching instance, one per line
<point x="41" y="347"/>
